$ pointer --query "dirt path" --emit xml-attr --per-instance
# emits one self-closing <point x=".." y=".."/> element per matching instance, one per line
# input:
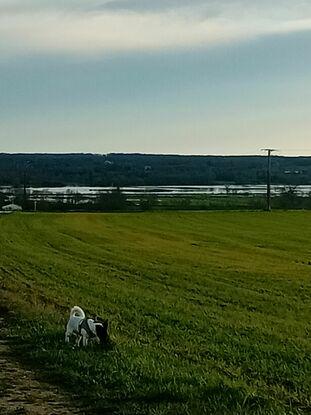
<point x="21" y="393"/>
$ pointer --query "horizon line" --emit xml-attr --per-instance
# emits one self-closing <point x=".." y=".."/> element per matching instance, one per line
<point x="59" y="153"/>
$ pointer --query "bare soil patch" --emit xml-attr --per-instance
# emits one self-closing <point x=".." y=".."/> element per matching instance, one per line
<point x="21" y="393"/>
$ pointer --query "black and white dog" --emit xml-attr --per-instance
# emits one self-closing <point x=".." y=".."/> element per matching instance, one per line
<point x="86" y="329"/>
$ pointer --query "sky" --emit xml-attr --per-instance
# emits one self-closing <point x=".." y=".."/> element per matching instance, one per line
<point x="155" y="76"/>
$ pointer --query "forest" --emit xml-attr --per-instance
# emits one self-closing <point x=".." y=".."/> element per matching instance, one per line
<point x="148" y="169"/>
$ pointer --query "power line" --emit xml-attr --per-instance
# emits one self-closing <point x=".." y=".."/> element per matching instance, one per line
<point x="295" y="152"/>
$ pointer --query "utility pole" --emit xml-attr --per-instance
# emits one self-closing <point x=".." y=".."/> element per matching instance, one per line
<point x="24" y="189"/>
<point x="269" y="152"/>
<point x="25" y="198"/>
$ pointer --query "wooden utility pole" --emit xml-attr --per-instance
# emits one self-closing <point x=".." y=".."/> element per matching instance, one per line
<point x="25" y="177"/>
<point x="269" y="152"/>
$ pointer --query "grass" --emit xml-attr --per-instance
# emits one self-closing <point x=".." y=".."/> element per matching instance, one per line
<point x="210" y="202"/>
<point x="210" y="311"/>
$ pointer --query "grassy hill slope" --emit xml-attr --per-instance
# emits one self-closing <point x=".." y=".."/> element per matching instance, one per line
<point x="210" y="312"/>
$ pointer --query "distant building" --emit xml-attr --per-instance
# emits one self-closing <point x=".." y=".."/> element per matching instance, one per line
<point x="12" y="208"/>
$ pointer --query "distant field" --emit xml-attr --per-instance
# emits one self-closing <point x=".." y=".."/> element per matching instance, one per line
<point x="210" y="312"/>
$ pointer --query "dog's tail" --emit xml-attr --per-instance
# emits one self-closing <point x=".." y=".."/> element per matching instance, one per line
<point x="77" y="311"/>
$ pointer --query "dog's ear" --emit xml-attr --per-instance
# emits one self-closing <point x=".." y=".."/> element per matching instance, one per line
<point x="98" y="319"/>
<point x="102" y="333"/>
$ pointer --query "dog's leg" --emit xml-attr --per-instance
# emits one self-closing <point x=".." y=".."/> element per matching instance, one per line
<point x="67" y="335"/>
<point x="84" y="341"/>
<point x="78" y="340"/>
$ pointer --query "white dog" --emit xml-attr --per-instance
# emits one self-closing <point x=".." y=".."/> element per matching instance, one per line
<point x="86" y="328"/>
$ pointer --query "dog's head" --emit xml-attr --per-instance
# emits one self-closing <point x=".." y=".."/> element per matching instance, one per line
<point x="102" y="330"/>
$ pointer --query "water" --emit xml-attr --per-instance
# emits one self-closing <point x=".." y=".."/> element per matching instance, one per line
<point x="52" y="193"/>
<point x="170" y="190"/>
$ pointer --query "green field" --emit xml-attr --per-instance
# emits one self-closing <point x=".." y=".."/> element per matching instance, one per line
<point x="209" y="311"/>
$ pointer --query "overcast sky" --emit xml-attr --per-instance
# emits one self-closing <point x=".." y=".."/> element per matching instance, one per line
<point x="155" y="76"/>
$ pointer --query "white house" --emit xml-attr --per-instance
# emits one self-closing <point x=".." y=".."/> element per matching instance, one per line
<point x="12" y="208"/>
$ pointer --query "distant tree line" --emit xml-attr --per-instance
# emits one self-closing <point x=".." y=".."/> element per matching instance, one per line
<point x="140" y="169"/>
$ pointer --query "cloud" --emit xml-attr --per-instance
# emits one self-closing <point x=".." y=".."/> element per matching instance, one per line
<point x="97" y="27"/>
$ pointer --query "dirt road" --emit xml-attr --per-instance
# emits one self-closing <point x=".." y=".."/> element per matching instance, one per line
<point x="21" y="393"/>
